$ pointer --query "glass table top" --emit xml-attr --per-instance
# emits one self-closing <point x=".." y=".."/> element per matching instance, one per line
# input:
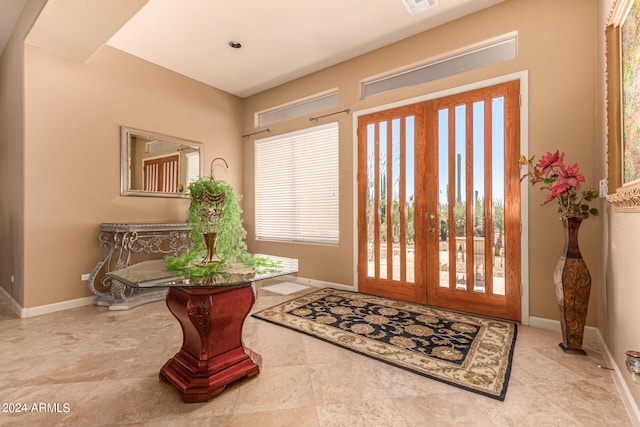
<point x="153" y="273"/>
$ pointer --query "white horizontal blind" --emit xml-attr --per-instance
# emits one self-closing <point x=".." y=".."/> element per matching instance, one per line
<point x="193" y="167"/>
<point x="297" y="186"/>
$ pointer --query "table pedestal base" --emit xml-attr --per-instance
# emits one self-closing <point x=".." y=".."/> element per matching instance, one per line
<point x="212" y="353"/>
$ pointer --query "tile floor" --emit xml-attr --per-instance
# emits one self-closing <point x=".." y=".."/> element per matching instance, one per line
<point x="93" y="367"/>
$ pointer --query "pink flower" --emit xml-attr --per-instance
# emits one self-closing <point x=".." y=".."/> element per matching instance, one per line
<point x="549" y="198"/>
<point x="562" y="183"/>
<point x="549" y="161"/>
<point x="569" y="177"/>
<point x="558" y="189"/>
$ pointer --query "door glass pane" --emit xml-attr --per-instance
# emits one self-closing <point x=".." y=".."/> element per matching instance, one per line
<point x="478" y="197"/>
<point x="389" y="168"/>
<point x="460" y="192"/>
<point x="395" y="197"/>
<point x="371" y="162"/>
<point x="443" y="194"/>
<point x="409" y="191"/>
<point x="382" y="208"/>
<point x="497" y="169"/>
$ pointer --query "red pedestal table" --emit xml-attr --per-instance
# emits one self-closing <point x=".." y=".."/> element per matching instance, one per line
<point x="211" y="316"/>
<point x="212" y="353"/>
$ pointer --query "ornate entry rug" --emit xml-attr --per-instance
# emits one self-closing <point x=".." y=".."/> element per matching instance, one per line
<point x="464" y="350"/>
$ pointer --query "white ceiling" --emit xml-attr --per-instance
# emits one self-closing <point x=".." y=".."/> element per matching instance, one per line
<point x="281" y="39"/>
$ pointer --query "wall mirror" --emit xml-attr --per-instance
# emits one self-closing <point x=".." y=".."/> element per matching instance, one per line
<point x="157" y="165"/>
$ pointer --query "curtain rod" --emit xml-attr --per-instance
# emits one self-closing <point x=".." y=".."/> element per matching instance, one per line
<point x="347" y="110"/>
<point x="247" y="135"/>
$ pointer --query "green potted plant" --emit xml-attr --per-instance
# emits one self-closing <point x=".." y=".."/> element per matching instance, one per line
<point x="216" y="232"/>
<point x="206" y="212"/>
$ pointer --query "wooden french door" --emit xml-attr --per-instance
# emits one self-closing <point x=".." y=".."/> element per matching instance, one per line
<point x="389" y="228"/>
<point x="439" y="202"/>
<point x="161" y="174"/>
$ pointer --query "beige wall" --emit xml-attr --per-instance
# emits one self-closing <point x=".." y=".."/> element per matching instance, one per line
<point x="91" y="100"/>
<point x="556" y="42"/>
<point x="12" y="155"/>
<point x="59" y="151"/>
<point x="73" y="114"/>
<point x="618" y="302"/>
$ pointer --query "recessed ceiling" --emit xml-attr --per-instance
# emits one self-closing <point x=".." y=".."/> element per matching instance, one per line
<point x="281" y="39"/>
<point x="9" y="13"/>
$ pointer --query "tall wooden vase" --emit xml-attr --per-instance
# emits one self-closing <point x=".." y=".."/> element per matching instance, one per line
<point x="573" y="286"/>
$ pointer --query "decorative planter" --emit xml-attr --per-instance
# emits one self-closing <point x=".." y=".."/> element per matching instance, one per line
<point x="633" y="364"/>
<point x="210" y="243"/>
<point x="573" y="286"/>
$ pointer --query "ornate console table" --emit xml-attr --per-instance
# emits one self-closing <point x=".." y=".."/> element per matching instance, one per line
<point x="127" y="244"/>
<point x="211" y="313"/>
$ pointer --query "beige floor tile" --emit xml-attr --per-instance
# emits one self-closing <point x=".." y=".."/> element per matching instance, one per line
<point x="450" y="409"/>
<point x="587" y="402"/>
<point x="278" y="346"/>
<point x="342" y="382"/>
<point x="524" y="406"/>
<point x="191" y="421"/>
<point x="104" y="366"/>
<point x="369" y="413"/>
<point x="401" y="383"/>
<point x="296" y="417"/>
<point x="275" y="388"/>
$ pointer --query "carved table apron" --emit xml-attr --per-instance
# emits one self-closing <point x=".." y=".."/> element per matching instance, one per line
<point x="126" y="244"/>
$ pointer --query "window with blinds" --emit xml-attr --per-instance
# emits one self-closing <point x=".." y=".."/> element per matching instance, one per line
<point x="297" y="186"/>
<point x="193" y="166"/>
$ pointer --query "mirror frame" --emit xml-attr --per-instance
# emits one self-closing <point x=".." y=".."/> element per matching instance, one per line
<point x="125" y="160"/>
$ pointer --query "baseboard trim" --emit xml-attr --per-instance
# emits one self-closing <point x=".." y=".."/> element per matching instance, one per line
<point x="23" y="313"/>
<point x="15" y="307"/>
<point x="619" y="379"/>
<point x="554" y="325"/>
<point x="58" y="306"/>
<point x="317" y="283"/>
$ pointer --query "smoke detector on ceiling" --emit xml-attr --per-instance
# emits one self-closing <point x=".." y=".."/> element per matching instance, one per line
<point x="416" y="6"/>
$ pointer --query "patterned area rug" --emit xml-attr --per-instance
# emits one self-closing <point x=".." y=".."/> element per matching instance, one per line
<point x="464" y="350"/>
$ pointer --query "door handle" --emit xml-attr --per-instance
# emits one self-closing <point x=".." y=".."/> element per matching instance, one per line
<point x="432" y="229"/>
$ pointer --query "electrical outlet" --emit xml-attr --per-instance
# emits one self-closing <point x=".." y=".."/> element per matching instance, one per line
<point x="13" y="279"/>
<point x="603" y="187"/>
<point x="84" y="277"/>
